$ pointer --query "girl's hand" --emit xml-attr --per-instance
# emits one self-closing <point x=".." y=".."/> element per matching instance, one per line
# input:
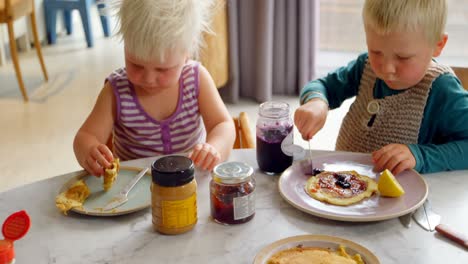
<point x="205" y="156"/>
<point x="98" y="158"/>
<point x="395" y="157"/>
<point x="311" y="117"/>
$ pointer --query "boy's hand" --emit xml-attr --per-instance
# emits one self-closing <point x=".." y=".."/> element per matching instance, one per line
<point x="205" y="156"/>
<point x="310" y="117"/>
<point x="395" y="157"/>
<point x="99" y="158"/>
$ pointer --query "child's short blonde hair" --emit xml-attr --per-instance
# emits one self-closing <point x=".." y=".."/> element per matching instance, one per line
<point x="151" y="28"/>
<point x="387" y="16"/>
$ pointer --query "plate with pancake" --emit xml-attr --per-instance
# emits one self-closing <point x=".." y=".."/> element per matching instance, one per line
<point x="96" y="198"/>
<point x="321" y="247"/>
<point x="375" y="208"/>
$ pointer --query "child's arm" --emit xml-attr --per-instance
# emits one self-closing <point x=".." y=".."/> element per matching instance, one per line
<point x="310" y="117"/>
<point x="218" y="122"/>
<point x="337" y="86"/>
<point x="327" y="92"/>
<point x="443" y="136"/>
<point x="89" y="144"/>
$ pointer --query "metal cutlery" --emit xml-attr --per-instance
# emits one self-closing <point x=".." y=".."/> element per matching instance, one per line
<point x="122" y="197"/>
<point x="310" y="157"/>
<point x="405" y="220"/>
<point x="430" y="221"/>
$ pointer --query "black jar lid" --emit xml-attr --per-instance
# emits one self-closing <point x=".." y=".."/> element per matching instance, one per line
<point x="172" y="171"/>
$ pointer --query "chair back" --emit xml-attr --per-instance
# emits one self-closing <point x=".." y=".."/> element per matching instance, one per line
<point x="14" y="9"/>
<point x="462" y="74"/>
<point x="244" y="138"/>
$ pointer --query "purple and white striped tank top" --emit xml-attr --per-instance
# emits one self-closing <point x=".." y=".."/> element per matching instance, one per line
<point x="138" y="135"/>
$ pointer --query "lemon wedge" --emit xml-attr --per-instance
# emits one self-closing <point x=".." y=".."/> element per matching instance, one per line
<point x="389" y="186"/>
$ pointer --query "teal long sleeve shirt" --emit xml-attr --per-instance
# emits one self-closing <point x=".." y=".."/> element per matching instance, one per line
<point x="443" y="135"/>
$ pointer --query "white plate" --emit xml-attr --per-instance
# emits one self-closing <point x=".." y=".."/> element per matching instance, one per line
<point x="322" y="241"/>
<point x="139" y="197"/>
<point x="292" y="181"/>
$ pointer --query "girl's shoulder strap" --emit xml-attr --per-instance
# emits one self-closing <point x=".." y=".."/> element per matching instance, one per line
<point x="190" y="77"/>
<point x="116" y="77"/>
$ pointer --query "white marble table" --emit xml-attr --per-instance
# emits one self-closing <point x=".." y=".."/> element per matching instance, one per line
<point x="54" y="238"/>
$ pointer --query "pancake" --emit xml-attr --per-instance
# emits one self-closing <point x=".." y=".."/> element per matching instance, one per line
<point x="110" y="175"/>
<point x="340" y="188"/>
<point x="73" y="197"/>
<point x="316" y="255"/>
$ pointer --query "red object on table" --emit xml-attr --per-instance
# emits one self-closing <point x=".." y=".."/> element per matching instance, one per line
<point x="14" y="228"/>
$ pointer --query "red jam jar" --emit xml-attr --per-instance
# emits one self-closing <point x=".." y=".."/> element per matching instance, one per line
<point x="232" y="193"/>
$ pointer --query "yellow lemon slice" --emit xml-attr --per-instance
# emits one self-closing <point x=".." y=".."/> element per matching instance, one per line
<point x="389" y="186"/>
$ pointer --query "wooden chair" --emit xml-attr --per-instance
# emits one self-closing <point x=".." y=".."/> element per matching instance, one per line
<point x="11" y="10"/>
<point x="244" y="138"/>
<point x="462" y="74"/>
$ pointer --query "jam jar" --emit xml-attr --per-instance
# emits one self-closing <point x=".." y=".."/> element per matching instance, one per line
<point x="173" y="195"/>
<point x="274" y="124"/>
<point x="232" y="193"/>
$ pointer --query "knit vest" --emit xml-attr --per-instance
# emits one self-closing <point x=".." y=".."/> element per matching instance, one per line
<point x="373" y="123"/>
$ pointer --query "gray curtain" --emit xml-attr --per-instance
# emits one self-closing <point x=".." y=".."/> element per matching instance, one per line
<point x="272" y="47"/>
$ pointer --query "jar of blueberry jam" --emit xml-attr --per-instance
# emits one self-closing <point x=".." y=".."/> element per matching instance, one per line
<point x="274" y="124"/>
<point x="232" y="193"/>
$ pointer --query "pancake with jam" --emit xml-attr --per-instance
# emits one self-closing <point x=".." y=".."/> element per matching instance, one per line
<point x="340" y="188"/>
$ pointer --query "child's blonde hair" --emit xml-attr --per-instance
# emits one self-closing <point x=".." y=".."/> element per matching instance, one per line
<point x="151" y="28"/>
<point x="387" y="16"/>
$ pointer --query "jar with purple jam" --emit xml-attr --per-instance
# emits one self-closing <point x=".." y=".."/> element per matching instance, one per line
<point x="232" y="193"/>
<point x="274" y="123"/>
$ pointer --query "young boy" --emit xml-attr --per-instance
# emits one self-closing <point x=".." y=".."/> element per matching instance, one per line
<point x="410" y="112"/>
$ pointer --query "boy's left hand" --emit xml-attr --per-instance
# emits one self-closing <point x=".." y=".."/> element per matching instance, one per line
<point x="205" y="156"/>
<point x="394" y="157"/>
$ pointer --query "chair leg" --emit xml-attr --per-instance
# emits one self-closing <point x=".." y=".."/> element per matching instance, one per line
<point x="51" y="21"/>
<point x="14" y="56"/>
<point x="105" y="25"/>
<point x="104" y="18"/>
<point x="85" y="18"/>
<point x="68" y="18"/>
<point x="37" y="45"/>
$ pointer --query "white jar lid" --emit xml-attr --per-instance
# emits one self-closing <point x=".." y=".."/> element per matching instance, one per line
<point x="232" y="172"/>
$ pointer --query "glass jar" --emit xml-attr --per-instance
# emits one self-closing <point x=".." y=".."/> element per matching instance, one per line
<point x="173" y="195"/>
<point x="232" y="193"/>
<point x="274" y="123"/>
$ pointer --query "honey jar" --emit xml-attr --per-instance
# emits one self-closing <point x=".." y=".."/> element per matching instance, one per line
<point x="232" y="193"/>
<point x="173" y="195"/>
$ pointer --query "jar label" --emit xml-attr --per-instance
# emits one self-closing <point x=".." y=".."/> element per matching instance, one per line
<point x="244" y="206"/>
<point x="179" y="214"/>
<point x="290" y="149"/>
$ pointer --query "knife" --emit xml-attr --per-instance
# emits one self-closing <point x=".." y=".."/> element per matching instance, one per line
<point x="405" y="220"/>
<point x="121" y="197"/>
<point x="310" y="157"/>
<point x="430" y="221"/>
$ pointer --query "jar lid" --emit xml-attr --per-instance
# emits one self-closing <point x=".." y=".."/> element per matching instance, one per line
<point x="16" y="225"/>
<point x="232" y="172"/>
<point x="173" y="170"/>
<point x="7" y="251"/>
<point x="273" y="109"/>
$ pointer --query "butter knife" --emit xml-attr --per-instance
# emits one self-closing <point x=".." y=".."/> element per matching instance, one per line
<point x="310" y="157"/>
<point x="405" y="220"/>
<point x="121" y="197"/>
